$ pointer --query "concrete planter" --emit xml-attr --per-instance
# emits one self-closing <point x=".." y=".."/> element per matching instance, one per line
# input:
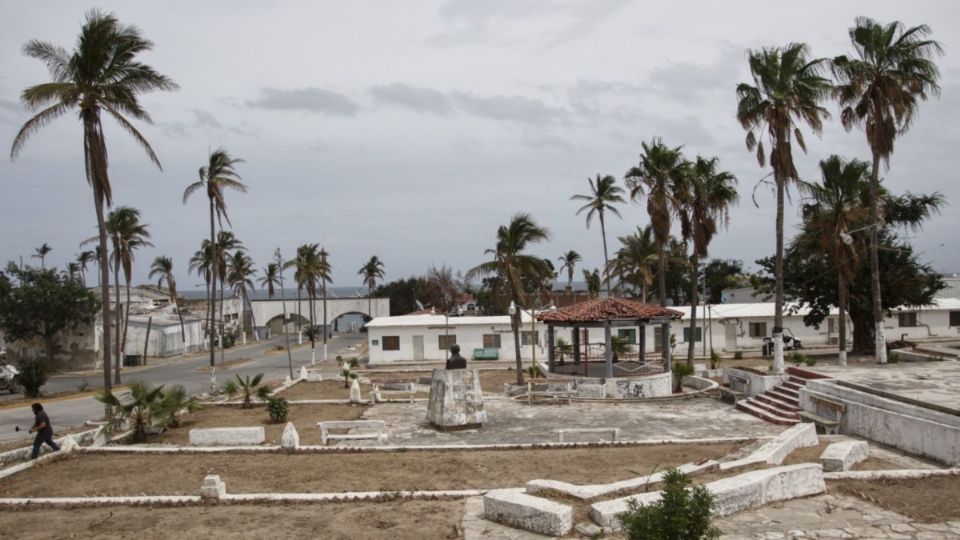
<point x="749" y="381"/>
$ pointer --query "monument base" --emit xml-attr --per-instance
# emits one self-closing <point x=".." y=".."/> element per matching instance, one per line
<point x="456" y="400"/>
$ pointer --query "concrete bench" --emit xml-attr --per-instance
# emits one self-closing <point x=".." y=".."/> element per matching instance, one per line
<point x="234" y="436"/>
<point x="614" y="433"/>
<point x="727" y="392"/>
<point x="829" y="424"/>
<point x="840" y="456"/>
<point x="385" y="392"/>
<point x="739" y="380"/>
<point x="486" y="353"/>
<point x="374" y="427"/>
<point x="538" y="389"/>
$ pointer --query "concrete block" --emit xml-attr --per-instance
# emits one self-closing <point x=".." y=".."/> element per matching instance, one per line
<point x="237" y="436"/>
<point x="456" y="399"/>
<point x="605" y="513"/>
<point x="596" y="491"/>
<point x="68" y="444"/>
<point x="774" y="452"/>
<point x="517" y="509"/>
<point x="840" y="456"/>
<point x="100" y="437"/>
<point x="213" y="487"/>
<point x="290" y="438"/>
<point x="303" y="372"/>
<point x="355" y="392"/>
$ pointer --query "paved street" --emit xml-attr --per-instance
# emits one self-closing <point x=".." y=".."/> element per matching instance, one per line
<point x="191" y="372"/>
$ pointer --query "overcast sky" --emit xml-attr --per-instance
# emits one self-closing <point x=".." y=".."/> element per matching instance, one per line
<point x="411" y="130"/>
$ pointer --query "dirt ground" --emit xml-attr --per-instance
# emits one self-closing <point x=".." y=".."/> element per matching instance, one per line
<point x="812" y="455"/>
<point x="322" y="390"/>
<point x="304" y="418"/>
<point x="931" y="500"/>
<point x="491" y="380"/>
<point x="415" y="520"/>
<point x="133" y="474"/>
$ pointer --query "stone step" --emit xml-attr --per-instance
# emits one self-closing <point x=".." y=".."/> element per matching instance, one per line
<point x="749" y="408"/>
<point x="773" y="409"/>
<point x="792" y="385"/>
<point x="776" y="402"/>
<point x="786" y="395"/>
<point x="797" y="380"/>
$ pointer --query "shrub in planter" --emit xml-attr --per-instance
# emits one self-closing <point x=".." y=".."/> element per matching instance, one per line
<point x="683" y="512"/>
<point x="738" y="355"/>
<point x="277" y="408"/>
<point x="680" y="370"/>
<point x="32" y="376"/>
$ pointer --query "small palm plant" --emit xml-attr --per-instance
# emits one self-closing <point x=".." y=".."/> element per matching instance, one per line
<point x="347" y="374"/>
<point x="174" y="402"/>
<point x="249" y="387"/>
<point x="563" y="348"/>
<point x="139" y="413"/>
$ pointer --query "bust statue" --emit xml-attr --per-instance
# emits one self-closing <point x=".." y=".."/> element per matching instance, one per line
<point x="456" y="361"/>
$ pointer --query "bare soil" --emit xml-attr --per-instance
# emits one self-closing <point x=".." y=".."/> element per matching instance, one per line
<point x="491" y="380"/>
<point x="304" y="418"/>
<point x="320" y="390"/>
<point x="170" y="474"/>
<point x="931" y="500"/>
<point x="401" y="520"/>
<point x="812" y="455"/>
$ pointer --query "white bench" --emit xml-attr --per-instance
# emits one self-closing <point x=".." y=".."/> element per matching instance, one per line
<point x="727" y="392"/>
<point x="540" y="388"/>
<point x="613" y="432"/>
<point x="375" y="428"/>
<point x="379" y="393"/>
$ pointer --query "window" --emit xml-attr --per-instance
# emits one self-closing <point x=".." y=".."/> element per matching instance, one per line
<point x="491" y="341"/>
<point x="630" y="334"/>
<point x="758" y="329"/>
<point x="907" y="320"/>
<point x="525" y="338"/>
<point x="831" y="325"/>
<point x="697" y="334"/>
<point x="955" y="318"/>
<point x="445" y="342"/>
<point x="391" y="343"/>
<point x="658" y="338"/>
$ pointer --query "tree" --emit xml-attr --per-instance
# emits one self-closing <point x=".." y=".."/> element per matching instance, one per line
<point x="102" y="74"/>
<point x="604" y="194"/>
<point x="239" y="273"/>
<point x="270" y="279"/>
<point x="568" y="261"/>
<point x="594" y="282"/>
<point x="720" y="274"/>
<point x="511" y="264"/>
<point x="325" y="274"/>
<point x="787" y="90"/>
<point x="880" y="88"/>
<point x="226" y="242"/>
<point x="402" y="294"/>
<point x="162" y="269"/>
<point x="309" y="271"/>
<point x="83" y="259"/>
<point x="683" y="512"/>
<point x="140" y="413"/>
<point x="41" y="253"/>
<point x="635" y="259"/>
<point x="707" y="203"/>
<point x="216" y="176"/>
<point x="371" y="272"/>
<point x="44" y="305"/>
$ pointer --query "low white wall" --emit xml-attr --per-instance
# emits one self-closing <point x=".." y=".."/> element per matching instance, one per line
<point x="657" y="385"/>
<point x="758" y="383"/>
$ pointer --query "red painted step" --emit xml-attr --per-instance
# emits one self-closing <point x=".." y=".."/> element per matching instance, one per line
<point x="772" y="409"/>
<point x="774" y="401"/>
<point x="747" y="407"/>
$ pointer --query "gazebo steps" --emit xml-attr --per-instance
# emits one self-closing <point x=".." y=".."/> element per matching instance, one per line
<point x="778" y="405"/>
<point x="749" y="406"/>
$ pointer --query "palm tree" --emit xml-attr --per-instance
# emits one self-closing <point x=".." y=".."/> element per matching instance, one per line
<point x="226" y="242"/>
<point x="83" y="259"/>
<point x="594" y="283"/>
<point x="218" y="175"/>
<point x="239" y="273"/>
<point x="635" y="260"/>
<point x="100" y="75"/>
<point x="324" y="273"/>
<point x="710" y="195"/>
<point x="308" y="266"/>
<point x="787" y="90"/>
<point x="41" y="253"/>
<point x="162" y="269"/>
<point x="73" y="269"/>
<point x="513" y="266"/>
<point x="270" y="279"/>
<point x="202" y="264"/>
<point x="297" y="263"/>
<point x="604" y="193"/>
<point x="371" y="272"/>
<point x="568" y="261"/>
<point x="881" y="88"/>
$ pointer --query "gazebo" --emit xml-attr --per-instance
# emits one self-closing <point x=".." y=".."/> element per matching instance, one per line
<point x="608" y="313"/>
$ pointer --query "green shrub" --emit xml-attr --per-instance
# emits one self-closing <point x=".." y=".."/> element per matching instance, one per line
<point x="810" y="361"/>
<point x="277" y="408"/>
<point x="230" y="388"/>
<point x="738" y="355"/>
<point x="680" y="370"/>
<point x="893" y="358"/>
<point x="32" y="376"/>
<point x="797" y="358"/>
<point x="682" y="513"/>
<point x="249" y="387"/>
<point x="714" y="359"/>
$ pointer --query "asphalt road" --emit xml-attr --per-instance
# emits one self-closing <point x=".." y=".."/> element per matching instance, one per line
<point x="192" y="372"/>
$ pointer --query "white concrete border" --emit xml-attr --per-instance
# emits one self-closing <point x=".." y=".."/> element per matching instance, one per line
<point x="515" y="508"/>
<point x="893" y="474"/>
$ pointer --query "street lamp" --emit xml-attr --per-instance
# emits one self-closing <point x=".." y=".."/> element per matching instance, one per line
<point x="283" y="300"/>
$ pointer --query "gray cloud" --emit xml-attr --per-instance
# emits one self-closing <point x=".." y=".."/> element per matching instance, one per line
<point x="10" y="105"/>
<point x="513" y="108"/>
<point x="203" y="121"/>
<point x="425" y="100"/>
<point x="310" y="99"/>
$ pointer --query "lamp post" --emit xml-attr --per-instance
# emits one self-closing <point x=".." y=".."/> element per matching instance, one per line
<point x="283" y="300"/>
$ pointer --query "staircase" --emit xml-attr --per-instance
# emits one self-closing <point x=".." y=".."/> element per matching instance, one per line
<point x="780" y="404"/>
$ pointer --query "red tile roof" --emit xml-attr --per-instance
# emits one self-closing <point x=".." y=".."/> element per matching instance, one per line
<point x="607" y="308"/>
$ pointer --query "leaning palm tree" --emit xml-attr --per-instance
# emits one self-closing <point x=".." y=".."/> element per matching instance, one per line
<point x="513" y="266"/>
<point x="881" y="87"/>
<point x="101" y="75"/>
<point x="604" y="194"/>
<point x="709" y="196"/>
<point x="787" y="91"/>
<point x="636" y="259"/>
<point x="239" y="273"/>
<point x="83" y="259"/>
<point x="128" y="234"/>
<point x="73" y="270"/>
<point x="270" y="279"/>
<point x="162" y="269"/>
<point x="218" y="175"/>
<point x="568" y="261"/>
<point x="371" y="272"/>
<point x="41" y="253"/>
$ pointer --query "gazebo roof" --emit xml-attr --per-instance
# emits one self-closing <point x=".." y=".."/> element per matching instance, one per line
<point x="608" y="309"/>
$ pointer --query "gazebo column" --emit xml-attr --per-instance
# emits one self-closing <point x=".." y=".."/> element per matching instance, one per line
<point x="665" y="344"/>
<point x="643" y="341"/>
<point x="550" y="348"/>
<point x="576" y="344"/>
<point x="608" y="341"/>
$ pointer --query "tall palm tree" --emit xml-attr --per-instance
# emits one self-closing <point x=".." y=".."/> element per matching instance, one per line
<point x="270" y="279"/>
<point x="239" y="276"/>
<point x="83" y="259"/>
<point x="41" y="253"/>
<point x="309" y="268"/>
<point x="371" y="272"/>
<point x="162" y="269"/>
<point x="594" y="283"/>
<point x="324" y="273"/>
<point x="226" y="242"/>
<point x="636" y="259"/>
<point x="787" y="91"/>
<point x="512" y="265"/>
<point x="881" y="87"/>
<point x="604" y="194"/>
<point x="218" y="175"/>
<point x="709" y="196"/>
<point x="101" y="74"/>
<point x="568" y="261"/>
<point x="73" y="269"/>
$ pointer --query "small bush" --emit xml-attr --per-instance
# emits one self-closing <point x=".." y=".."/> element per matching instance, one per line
<point x="680" y="370"/>
<point x="230" y="388"/>
<point x="738" y="355"/>
<point x="893" y="358"/>
<point x="810" y="361"/>
<point x="797" y="358"/>
<point x="714" y="359"/>
<point x="683" y="512"/>
<point x="32" y="376"/>
<point x="277" y="408"/>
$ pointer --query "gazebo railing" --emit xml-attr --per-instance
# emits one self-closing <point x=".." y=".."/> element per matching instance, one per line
<point x="593" y="358"/>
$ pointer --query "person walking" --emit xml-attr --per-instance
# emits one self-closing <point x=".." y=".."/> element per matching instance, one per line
<point x="41" y="425"/>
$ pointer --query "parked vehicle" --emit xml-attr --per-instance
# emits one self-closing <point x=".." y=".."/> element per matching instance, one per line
<point x="7" y="377"/>
<point x="790" y="342"/>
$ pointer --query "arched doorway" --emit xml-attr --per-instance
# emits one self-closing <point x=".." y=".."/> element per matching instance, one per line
<point x="349" y="323"/>
<point x="276" y="326"/>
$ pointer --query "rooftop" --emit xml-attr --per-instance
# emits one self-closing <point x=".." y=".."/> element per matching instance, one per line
<point x="608" y="309"/>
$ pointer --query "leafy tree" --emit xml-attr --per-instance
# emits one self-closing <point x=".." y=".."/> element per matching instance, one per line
<point x="32" y="376"/>
<point x="720" y="274"/>
<point x="102" y="74"/>
<point x="787" y="91"/>
<point x="880" y="88"/>
<point x="402" y="294"/>
<point x="569" y="260"/>
<point x="604" y="194"/>
<point x="682" y="513"/>
<point x="44" y="305"/>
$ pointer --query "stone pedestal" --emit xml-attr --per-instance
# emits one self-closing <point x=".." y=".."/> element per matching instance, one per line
<point x="456" y="400"/>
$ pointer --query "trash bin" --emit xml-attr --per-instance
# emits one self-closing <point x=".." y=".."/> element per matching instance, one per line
<point x="132" y="360"/>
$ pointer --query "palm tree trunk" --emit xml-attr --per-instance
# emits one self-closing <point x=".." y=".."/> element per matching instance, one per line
<point x="299" y="314"/>
<point x="223" y="326"/>
<point x="211" y="299"/>
<point x="880" y="346"/>
<point x="313" y="329"/>
<point x="126" y="321"/>
<point x="324" y="357"/>
<point x="103" y="279"/>
<point x="515" y="324"/>
<point x="842" y="320"/>
<point x="662" y="285"/>
<point x="778" y="276"/>
<point x="253" y="320"/>
<point x="606" y="259"/>
<point x="119" y="320"/>
<point x="694" y="298"/>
